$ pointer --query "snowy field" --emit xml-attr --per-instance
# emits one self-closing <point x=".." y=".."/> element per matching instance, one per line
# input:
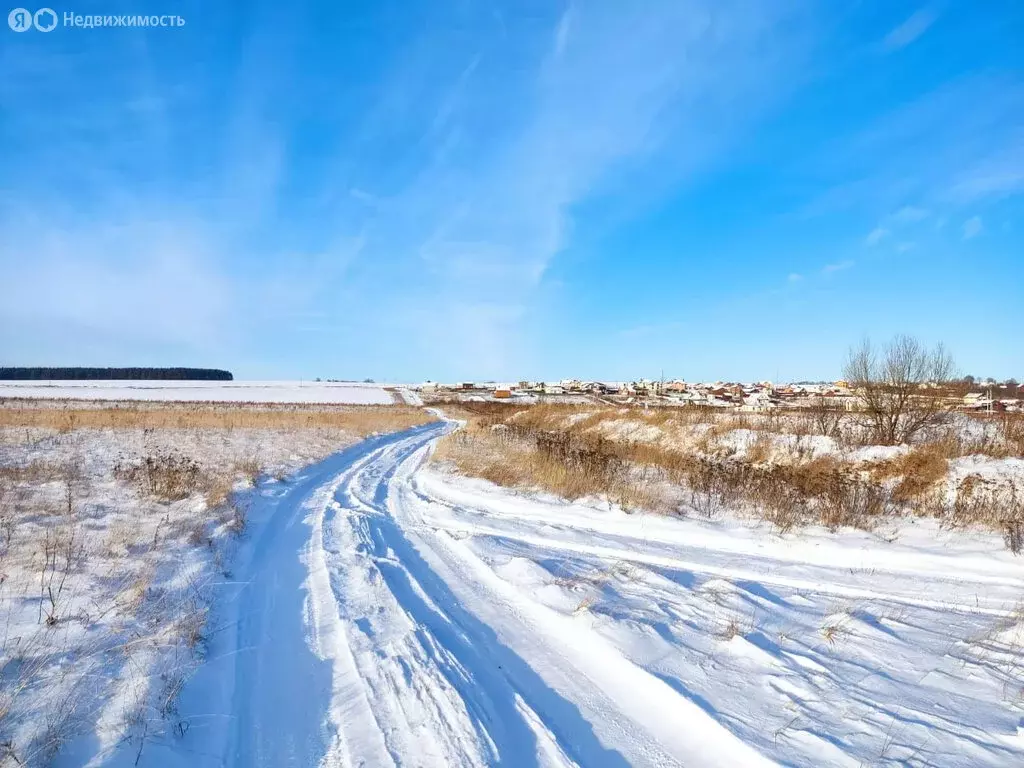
<point x="372" y="608"/>
<point x="114" y="543"/>
<point x="202" y="391"/>
<point x="393" y="614"/>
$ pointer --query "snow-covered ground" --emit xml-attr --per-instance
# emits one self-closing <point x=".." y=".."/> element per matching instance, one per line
<point x="104" y="589"/>
<point x="202" y="391"/>
<point x="385" y="612"/>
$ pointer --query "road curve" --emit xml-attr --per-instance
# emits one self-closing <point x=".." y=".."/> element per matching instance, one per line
<point x="367" y="633"/>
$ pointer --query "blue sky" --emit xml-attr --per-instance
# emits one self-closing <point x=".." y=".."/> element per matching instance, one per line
<point x="411" y="190"/>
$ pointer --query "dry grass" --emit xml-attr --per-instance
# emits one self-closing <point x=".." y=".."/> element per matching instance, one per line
<point x="361" y="420"/>
<point x="736" y="626"/>
<point x="167" y="477"/>
<point x="835" y="628"/>
<point x="496" y="454"/>
<point x="918" y="470"/>
<point x="999" y="506"/>
<point x="1011" y="428"/>
<point x="761" y="449"/>
<point x="250" y="468"/>
<point x="673" y="459"/>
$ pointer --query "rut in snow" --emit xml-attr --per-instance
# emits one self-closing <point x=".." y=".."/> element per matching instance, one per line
<point x="386" y="616"/>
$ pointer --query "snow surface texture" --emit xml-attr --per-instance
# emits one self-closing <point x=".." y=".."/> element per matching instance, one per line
<point x="130" y="581"/>
<point x="202" y="391"/>
<point x="387" y="613"/>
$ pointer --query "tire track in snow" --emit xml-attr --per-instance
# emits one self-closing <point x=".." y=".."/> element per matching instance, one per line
<point x="370" y="633"/>
<point x="447" y="692"/>
<point x="459" y="519"/>
<point x="461" y="669"/>
<point x="362" y="637"/>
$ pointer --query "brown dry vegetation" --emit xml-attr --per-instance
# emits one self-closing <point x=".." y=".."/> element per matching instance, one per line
<point x="1003" y="438"/>
<point x="918" y="470"/>
<point x="687" y="462"/>
<point x="361" y="420"/>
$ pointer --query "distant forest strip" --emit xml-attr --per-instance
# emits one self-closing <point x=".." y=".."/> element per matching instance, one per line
<point x="121" y="374"/>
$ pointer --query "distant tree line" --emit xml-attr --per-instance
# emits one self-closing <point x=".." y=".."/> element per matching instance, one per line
<point x="134" y="374"/>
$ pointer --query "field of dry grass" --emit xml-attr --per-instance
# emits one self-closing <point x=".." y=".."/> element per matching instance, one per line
<point x="357" y="419"/>
<point x="790" y="469"/>
<point x="117" y="523"/>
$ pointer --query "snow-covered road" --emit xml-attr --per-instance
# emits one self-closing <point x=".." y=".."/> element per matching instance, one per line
<point x="386" y="613"/>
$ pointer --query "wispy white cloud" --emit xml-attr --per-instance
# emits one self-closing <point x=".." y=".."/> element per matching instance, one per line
<point x="955" y="145"/>
<point x="601" y="104"/>
<point x="795" y="277"/>
<point x="972" y="227"/>
<point x="910" y="30"/>
<point x="838" y="266"/>
<point x="997" y="175"/>
<point x="876" y="236"/>
<point x="896" y="223"/>
<point x="909" y="214"/>
<point x="562" y="30"/>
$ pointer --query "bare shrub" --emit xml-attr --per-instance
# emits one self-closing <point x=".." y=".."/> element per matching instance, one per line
<point x="1013" y="533"/>
<point x="35" y="473"/>
<point x="760" y="450"/>
<point x="167" y="476"/>
<point x="854" y="503"/>
<point x="1011" y="429"/>
<point x="736" y="626"/>
<point x="198" y="535"/>
<point x="237" y="518"/>
<point x="815" y="477"/>
<point x="569" y="464"/>
<point x="824" y="489"/>
<point x="974" y="501"/>
<point x="825" y="418"/>
<point x="62" y="551"/>
<point x="779" y="505"/>
<point x="892" y="387"/>
<point x="710" y="487"/>
<point x="218" y="491"/>
<point x="191" y="627"/>
<point x="250" y="469"/>
<point x="978" y="501"/>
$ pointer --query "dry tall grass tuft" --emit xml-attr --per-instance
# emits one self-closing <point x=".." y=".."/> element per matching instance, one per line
<point x="917" y="470"/>
<point x="167" y="476"/>
<point x="760" y="450"/>
<point x="250" y="469"/>
<point x="999" y="506"/>
<point x="1011" y="431"/>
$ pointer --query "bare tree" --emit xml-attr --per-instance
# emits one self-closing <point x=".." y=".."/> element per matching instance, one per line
<point x="892" y="386"/>
<point x="825" y="418"/>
